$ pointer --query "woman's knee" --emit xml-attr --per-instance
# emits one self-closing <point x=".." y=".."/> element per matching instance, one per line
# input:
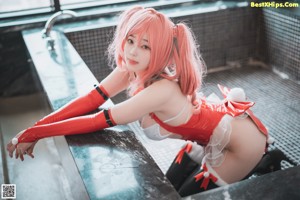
<point x="202" y="179"/>
<point x="183" y="165"/>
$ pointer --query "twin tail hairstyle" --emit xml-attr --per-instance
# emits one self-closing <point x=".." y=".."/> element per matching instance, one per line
<point x="174" y="52"/>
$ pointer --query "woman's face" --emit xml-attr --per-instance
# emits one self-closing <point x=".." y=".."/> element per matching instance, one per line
<point x="137" y="53"/>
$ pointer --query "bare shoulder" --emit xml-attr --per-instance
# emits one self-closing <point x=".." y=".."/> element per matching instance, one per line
<point x="163" y="91"/>
<point x="151" y="99"/>
<point x="164" y="86"/>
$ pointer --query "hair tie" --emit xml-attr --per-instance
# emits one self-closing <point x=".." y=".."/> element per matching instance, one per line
<point x="153" y="11"/>
<point x="175" y="30"/>
<point x="175" y="40"/>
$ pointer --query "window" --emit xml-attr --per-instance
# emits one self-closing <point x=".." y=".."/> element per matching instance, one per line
<point x="70" y="2"/>
<point x="75" y="4"/>
<point x="17" y="5"/>
<point x="14" y="8"/>
<point x="21" y="8"/>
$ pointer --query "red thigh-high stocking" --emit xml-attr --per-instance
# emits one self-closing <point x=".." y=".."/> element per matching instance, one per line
<point x="78" y="106"/>
<point x="76" y="125"/>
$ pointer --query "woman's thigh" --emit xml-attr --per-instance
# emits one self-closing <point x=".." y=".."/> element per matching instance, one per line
<point x="244" y="151"/>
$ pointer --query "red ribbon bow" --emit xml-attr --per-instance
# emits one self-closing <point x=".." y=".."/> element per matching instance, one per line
<point x="206" y="177"/>
<point x="180" y="154"/>
<point x="236" y="108"/>
<point x="232" y="107"/>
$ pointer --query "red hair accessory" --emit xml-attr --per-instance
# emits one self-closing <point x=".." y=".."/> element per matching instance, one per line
<point x="206" y="177"/>
<point x="180" y="154"/>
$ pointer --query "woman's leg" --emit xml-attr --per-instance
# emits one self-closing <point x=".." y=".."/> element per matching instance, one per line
<point x="202" y="179"/>
<point x="244" y="151"/>
<point x="187" y="160"/>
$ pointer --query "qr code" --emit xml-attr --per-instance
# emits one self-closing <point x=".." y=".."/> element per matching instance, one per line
<point x="8" y="191"/>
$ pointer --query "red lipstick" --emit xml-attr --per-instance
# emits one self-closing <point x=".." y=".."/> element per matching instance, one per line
<point x="132" y="62"/>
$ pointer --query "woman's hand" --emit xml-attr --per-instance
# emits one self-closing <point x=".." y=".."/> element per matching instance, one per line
<point x="21" y="149"/>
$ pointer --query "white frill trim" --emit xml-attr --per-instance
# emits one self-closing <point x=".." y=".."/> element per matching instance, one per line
<point x="214" y="154"/>
<point x="218" y="141"/>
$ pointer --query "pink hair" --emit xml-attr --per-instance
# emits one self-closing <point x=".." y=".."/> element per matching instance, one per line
<point x="169" y="43"/>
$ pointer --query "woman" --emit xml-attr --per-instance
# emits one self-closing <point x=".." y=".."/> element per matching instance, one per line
<point x="157" y="59"/>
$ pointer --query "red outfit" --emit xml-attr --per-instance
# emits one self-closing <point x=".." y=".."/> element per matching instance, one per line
<point x="76" y="125"/>
<point x="210" y="128"/>
<point x="200" y="126"/>
<point x="61" y="122"/>
<point x="77" y="107"/>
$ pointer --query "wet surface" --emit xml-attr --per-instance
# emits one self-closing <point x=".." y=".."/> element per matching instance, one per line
<point x="112" y="163"/>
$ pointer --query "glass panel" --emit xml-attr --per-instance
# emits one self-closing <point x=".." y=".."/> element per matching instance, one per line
<point x="90" y="3"/>
<point x="67" y="2"/>
<point x="21" y="5"/>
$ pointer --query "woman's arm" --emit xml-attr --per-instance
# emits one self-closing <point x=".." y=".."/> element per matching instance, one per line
<point x="149" y="100"/>
<point x="114" y="83"/>
<point x="154" y="98"/>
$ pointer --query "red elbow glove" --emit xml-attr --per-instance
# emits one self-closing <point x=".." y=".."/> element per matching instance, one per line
<point x="77" y="125"/>
<point x="78" y="106"/>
